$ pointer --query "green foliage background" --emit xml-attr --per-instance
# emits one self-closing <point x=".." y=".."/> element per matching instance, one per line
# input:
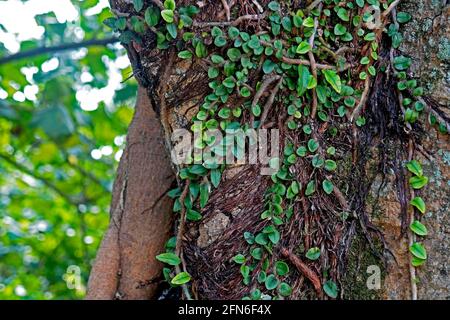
<point x="54" y="196"/>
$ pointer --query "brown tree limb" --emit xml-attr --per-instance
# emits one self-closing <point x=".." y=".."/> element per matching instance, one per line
<point x="126" y="257"/>
<point x="270" y="101"/>
<point x="304" y="269"/>
<point x="57" y="48"/>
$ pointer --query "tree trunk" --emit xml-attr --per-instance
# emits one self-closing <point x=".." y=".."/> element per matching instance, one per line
<point x="141" y="219"/>
<point x="362" y="222"/>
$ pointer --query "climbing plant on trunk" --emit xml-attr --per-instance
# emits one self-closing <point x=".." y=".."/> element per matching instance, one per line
<point x="327" y="75"/>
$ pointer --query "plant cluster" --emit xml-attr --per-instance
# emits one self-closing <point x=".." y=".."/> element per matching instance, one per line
<point x="314" y="64"/>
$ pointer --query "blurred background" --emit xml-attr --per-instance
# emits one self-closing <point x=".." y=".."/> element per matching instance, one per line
<point x="65" y="103"/>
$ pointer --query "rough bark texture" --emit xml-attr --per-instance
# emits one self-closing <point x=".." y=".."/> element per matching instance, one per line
<point x="141" y="218"/>
<point x="427" y="41"/>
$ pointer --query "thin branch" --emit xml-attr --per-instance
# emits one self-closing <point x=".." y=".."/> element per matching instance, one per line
<point x="159" y="4"/>
<point x="299" y="61"/>
<point x="269" y="102"/>
<point x="36" y="176"/>
<point x="313" y="62"/>
<point x="432" y="111"/>
<point x="390" y="8"/>
<point x="260" y="8"/>
<point x="304" y="269"/>
<point x="227" y="9"/>
<point x="58" y="48"/>
<point x="229" y="23"/>
<point x="362" y="101"/>
<point x="260" y="92"/>
<point x="313" y="5"/>
<point x="307" y="63"/>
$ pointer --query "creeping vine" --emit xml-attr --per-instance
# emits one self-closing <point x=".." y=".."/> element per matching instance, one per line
<point x="310" y="64"/>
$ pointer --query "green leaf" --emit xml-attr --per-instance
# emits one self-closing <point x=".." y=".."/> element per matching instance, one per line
<point x="365" y="60"/>
<point x="402" y="63"/>
<point x="418" y="250"/>
<point x="343" y="14"/>
<point x="416" y="262"/>
<point x="181" y="278"/>
<point x="418" y="182"/>
<point x="169" y="258"/>
<point x="261" y="238"/>
<point x="284" y="289"/>
<point x="200" y="50"/>
<point x="234" y="54"/>
<point x="271" y="282"/>
<point x="249" y="237"/>
<point x="169" y="4"/>
<point x="418" y="228"/>
<point x="239" y="258"/>
<point x="403" y="17"/>
<point x="216" y="31"/>
<point x="301" y="151"/>
<point x="303" y="47"/>
<point x="257" y="253"/>
<point x="224" y="113"/>
<point x="370" y="36"/>
<point x="313" y="145"/>
<point x="216" y="59"/>
<point x="308" y="22"/>
<point x="419" y="204"/>
<point x="193" y="215"/>
<point x="330" y="165"/>
<point x="327" y="186"/>
<point x="286" y="23"/>
<point x="172" y="29"/>
<point x="360" y="3"/>
<point x="281" y="268"/>
<point x="167" y="15"/>
<point x="274" y="237"/>
<point x="152" y="16"/>
<point x="215" y="177"/>
<point x="274" y="6"/>
<point x="339" y="29"/>
<point x="333" y="78"/>
<point x="185" y="54"/>
<point x="268" y="66"/>
<point x="330" y="289"/>
<point x="204" y="194"/>
<point x="415" y="167"/>
<point x="233" y="33"/>
<point x="310" y="188"/>
<point x="213" y="72"/>
<point x="138" y="5"/>
<point x="313" y="253"/>
<point x="303" y="79"/>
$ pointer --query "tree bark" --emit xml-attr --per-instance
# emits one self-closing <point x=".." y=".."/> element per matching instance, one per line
<point x="141" y="219"/>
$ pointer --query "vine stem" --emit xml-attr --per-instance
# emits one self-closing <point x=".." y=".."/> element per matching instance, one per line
<point x="390" y="8"/>
<point x="229" y="23"/>
<point x="178" y="247"/>
<point x="304" y="269"/>
<point x="260" y="92"/>
<point x="227" y="9"/>
<point x="362" y="101"/>
<point x="313" y="61"/>
<point x="411" y="236"/>
<point x="270" y="101"/>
